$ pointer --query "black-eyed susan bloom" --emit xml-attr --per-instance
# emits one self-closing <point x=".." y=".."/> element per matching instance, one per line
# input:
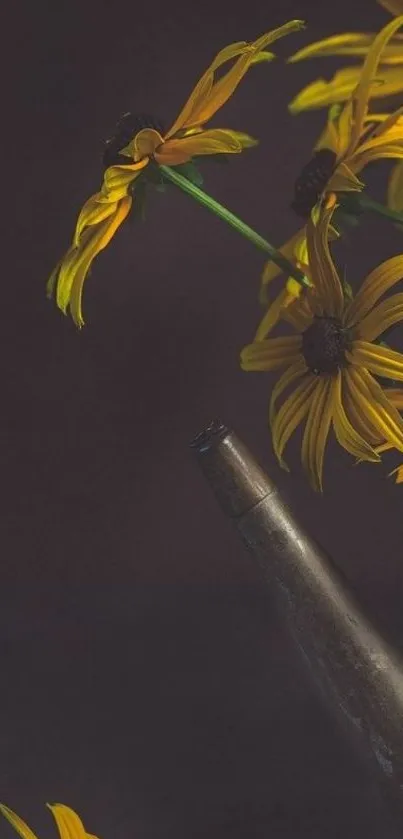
<point x="389" y="81"/>
<point x="331" y="361"/>
<point x="351" y="140"/>
<point x="105" y="211"/>
<point x="68" y="823"/>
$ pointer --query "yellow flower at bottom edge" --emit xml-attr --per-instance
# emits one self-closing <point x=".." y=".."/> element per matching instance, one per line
<point x="331" y="361"/>
<point x="352" y="139"/>
<point x="68" y="823"/>
<point x="105" y="211"/>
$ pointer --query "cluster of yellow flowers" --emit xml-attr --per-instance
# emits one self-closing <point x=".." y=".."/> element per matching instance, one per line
<point x="335" y="358"/>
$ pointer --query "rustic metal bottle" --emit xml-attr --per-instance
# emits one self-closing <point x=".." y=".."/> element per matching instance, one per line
<point x="358" y="671"/>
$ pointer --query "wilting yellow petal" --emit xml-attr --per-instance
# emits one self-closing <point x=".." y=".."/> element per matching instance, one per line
<point x="271" y="353"/>
<point x="213" y="141"/>
<point x="344" y="180"/>
<point x="223" y="89"/>
<point x="395" y="188"/>
<point x="18" y="824"/>
<point x="291" y="413"/>
<point x="294" y="371"/>
<point x="372" y="402"/>
<point x="316" y="431"/>
<point x="379" y="360"/>
<point x="348" y="436"/>
<point x="368" y="74"/>
<point x="359" y="420"/>
<point x="300" y="314"/>
<point x="117" y="179"/>
<point x="395" y="7"/>
<point x="380" y="280"/>
<point x="75" y="265"/>
<point x="275" y="311"/>
<point x="324" y="276"/>
<point x="350" y="43"/>
<point x="385" y="315"/>
<point x="92" y="212"/>
<point x="322" y="93"/>
<point x="208" y="96"/>
<point x="145" y="143"/>
<point x="399" y="474"/>
<point x="69" y="824"/>
<point x="103" y="240"/>
<point x="395" y="396"/>
<point x="291" y="251"/>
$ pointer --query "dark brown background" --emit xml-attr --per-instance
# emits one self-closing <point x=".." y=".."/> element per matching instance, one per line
<point x="147" y="680"/>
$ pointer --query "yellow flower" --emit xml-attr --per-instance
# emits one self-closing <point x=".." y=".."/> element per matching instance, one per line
<point x="389" y="81"/>
<point x="105" y="211"/>
<point x="352" y="139"/>
<point x="68" y="823"/>
<point x="332" y="359"/>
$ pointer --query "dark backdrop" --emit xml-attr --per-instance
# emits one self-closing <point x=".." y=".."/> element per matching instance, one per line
<point x="147" y="680"/>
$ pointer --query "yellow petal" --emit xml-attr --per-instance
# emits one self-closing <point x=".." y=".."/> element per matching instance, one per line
<point x="368" y="74"/>
<point x="322" y="93"/>
<point x="291" y="413"/>
<point x="103" y="240"/>
<point x="323" y="272"/>
<point x="69" y="824"/>
<point x="293" y="372"/>
<point x="395" y="188"/>
<point x="395" y="396"/>
<point x="275" y="312"/>
<point x="316" y="432"/>
<point x="372" y="402"/>
<point x="385" y="315"/>
<point x="145" y="143"/>
<point x="223" y="89"/>
<point x="75" y="265"/>
<point x="291" y="250"/>
<point x="350" y="43"/>
<point x="299" y="314"/>
<point x="271" y="353"/>
<point x="395" y="7"/>
<point x="92" y="212"/>
<point x="213" y="141"/>
<point x="117" y="179"/>
<point x="379" y="360"/>
<point x="380" y="280"/>
<point x="17" y="823"/>
<point x="347" y="436"/>
<point x="208" y="96"/>
<point x="344" y="180"/>
<point x="399" y="474"/>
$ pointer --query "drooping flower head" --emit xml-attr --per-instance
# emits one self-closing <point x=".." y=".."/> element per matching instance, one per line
<point x="332" y="360"/>
<point x="105" y="211"/>
<point x="68" y="823"/>
<point x="389" y="81"/>
<point x="352" y="139"/>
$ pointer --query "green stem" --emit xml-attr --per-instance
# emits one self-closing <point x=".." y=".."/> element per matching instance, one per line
<point x="187" y="186"/>
<point x="360" y="202"/>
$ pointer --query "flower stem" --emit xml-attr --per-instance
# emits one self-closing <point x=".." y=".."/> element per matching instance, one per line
<point x="356" y="203"/>
<point x="187" y="186"/>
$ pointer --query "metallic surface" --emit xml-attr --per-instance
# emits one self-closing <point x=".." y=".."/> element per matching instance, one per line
<point x="359" y="673"/>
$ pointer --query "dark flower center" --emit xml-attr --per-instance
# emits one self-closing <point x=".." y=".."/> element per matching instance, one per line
<point x="324" y="344"/>
<point x="312" y="181"/>
<point x="128" y="126"/>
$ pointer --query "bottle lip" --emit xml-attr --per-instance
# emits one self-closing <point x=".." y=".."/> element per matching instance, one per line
<point x="210" y="436"/>
<point x="234" y="475"/>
